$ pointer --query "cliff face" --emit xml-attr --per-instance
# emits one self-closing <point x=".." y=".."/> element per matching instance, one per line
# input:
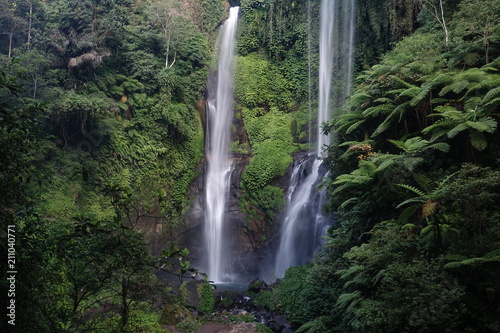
<point x="243" y="235"/>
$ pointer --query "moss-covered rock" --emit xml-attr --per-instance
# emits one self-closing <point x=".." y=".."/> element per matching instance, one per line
<point x="173" y="314"/>
<point x="189" y="294"/>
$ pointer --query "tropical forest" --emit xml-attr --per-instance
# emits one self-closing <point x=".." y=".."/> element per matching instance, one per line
<point x="240" y="166"/>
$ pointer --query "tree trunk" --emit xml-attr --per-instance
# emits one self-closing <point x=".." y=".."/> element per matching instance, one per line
<point x="486" y="50"/>
<point x="34" y="89"/>
<point x="29" y="25"/>
<point x="125" y="305"/>
<point x="444" y="23"/>
<point x="10" y="42"/>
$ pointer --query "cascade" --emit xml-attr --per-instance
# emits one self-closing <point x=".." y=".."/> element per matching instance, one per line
<point x="220" y="114"/>
<point x="303" y="222"/>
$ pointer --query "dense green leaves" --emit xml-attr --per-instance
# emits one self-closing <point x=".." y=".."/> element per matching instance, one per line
<point x="414" y="224"/>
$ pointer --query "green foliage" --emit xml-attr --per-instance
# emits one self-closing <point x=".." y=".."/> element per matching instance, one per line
<point x="261" y="328"/>
<point x="259" y="84"/>
<point x="207" y="303"/>
<point x="265" y="300"/>
<point x="288" y="293"/>
<point x="212" y="14"/>
<point x="271" y="140"/>
<point x="406" y="238"/>
<point x="188" y="326"/>
<point x="478" y="21"/>
<point x="101" y="144"/>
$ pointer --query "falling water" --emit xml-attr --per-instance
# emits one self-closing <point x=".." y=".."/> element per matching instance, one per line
<point x="220" y="108"/>
<point x="304" y="222"/>
<point x="294" y="248"/>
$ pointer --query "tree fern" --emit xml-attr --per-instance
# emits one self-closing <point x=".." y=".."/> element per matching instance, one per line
<point x="456" y="87"/>
<point x="478" y="140"/>
<point x="398" y="80"/>
<point x="494" y="102"/>
<point x="377" y="110"/>
<point x="461" y="261"/>
<point x="349" y="120"/>
<point x="412" y="189"/>
<point x="491" y="95"/>
<point x="359" y="98"/>
<point x="423" y="93"/>
<point x="424" y="182"/>
<point x="349" y="300"/>
<point x="350" y="272"/>
<point x="348" y="202"/>
<point x="412" y="92"/>
<point x="485" y="124"/>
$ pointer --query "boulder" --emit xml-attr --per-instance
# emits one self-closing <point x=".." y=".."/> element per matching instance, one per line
<point x="190" y="295"/>
<point x="173" y="314"/>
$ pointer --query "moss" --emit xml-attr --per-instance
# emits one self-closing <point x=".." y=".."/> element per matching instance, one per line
<point x="173" y="314"/>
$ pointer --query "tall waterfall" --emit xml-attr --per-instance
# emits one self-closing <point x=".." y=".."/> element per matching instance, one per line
<point x="220" y="114"/>
<point x="301" y="226"/>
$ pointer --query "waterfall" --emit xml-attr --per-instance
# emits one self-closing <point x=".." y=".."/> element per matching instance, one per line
<point x="303" y="223"/>
<point x="293" y="248"/>
<point x="220" y="114"/>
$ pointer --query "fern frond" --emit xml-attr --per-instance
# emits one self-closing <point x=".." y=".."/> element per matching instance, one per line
<point x="351" y="143"/>
<point x="359" y="98"/>
<point x="376" y="110"/>
<point x="437" y="134"/>
<point x="492" y="254"/>
<point x="493" y="102"/>
<point x="426" y="229"/>
<point x="478" y="140"/>
<point x="412" y="200"/>
<point x="348" y="202"/>
<point x="486" y="124"/>
<point x="307" y="326"/>
<point x="379" y="276"/>
<point x="407" y="213"/>
<point x="386" y="164"/>
<point x="471" y="75"/>
<point x="342" y="187"/>
<point x="405" y="84"/>
<point x="457" y="129"/>
<point x="453" y="265"/>
<point x="351" y="271"/>
<point x="490" y="95"/>
<point x="471" y="103"/>
<point x="422" y="94"/>
<point x="412" y="189"/>
<point x="441" y="146"/>
<point x="384" y="100"/>
<point x="410" y="92"/>
<point x="410" y="163"/>
<point x="454" y="257"/>
<point x="442" y="79"/>
<point x="354" y="126"/>
<point x="346" y="300"/>
<point x="424" y="182"/>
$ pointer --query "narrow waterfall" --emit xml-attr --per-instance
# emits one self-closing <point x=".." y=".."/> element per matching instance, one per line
<point x="303" y="222"/>
<point x="220" y="114"/>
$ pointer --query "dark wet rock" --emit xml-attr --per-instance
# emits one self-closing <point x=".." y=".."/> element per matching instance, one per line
<point x="190" y="294"/>
<point x="256" y="286"/>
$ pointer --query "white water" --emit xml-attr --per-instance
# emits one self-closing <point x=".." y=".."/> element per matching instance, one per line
<point x="220" y="115"/>
<point x="336" y="50"/>
<point x="291" y="251"/>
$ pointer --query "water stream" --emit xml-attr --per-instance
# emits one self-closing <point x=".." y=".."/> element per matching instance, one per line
<point x="220" y="114"/>
<point x="304" y="222"/>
